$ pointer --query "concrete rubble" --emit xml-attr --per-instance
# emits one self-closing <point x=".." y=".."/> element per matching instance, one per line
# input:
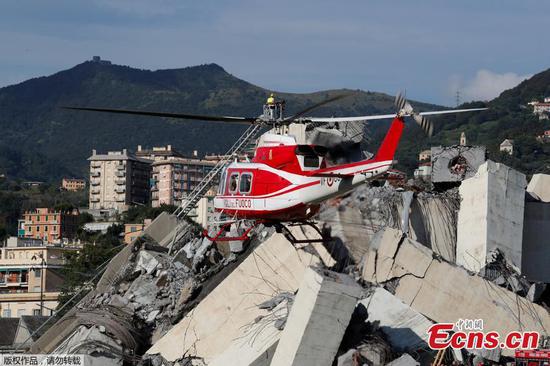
<point x="387" y="265"/>
<point x="273" y="267"/>
<point x="433" y="287"/>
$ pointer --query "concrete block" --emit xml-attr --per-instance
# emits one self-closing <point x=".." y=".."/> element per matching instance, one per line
<point x="318" y="319"/>
<point x="404" y="327"/>
<point x="274" y="266"/>
<point x="491" y="216"/>
<point x="539" y="187"/>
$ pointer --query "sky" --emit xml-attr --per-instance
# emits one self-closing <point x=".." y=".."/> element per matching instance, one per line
<point x="429" y="48"/>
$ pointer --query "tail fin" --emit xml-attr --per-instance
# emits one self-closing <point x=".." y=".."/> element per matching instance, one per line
<point x="391" y="141"/>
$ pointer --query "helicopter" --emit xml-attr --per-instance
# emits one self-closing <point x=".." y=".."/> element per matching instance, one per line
<point x="288" y="178"/>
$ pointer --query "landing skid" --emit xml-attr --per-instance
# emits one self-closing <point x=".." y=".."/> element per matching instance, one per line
<point x="224" y="228"/>
<point x="284" y="229"/>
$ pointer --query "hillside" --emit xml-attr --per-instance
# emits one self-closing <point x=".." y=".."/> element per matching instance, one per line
<point x="40" y="141"/>
<point x="508" y="117"/>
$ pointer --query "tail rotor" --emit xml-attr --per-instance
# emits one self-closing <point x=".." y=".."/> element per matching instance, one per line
<point x="405" y="109"/>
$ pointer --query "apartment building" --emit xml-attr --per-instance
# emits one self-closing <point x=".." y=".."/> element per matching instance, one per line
<point x="118" y="179"/>
<point x="173" y="178"/>
<point x="73" y="184"/>
<point x="158" y="153"/>
<point x="48" y="224"/>
<point x="30" y="278"/>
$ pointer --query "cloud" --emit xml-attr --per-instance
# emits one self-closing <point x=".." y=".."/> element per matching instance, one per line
<point x="486" y="85"/>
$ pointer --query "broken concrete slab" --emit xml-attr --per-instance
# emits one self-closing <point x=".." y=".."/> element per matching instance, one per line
<point x="491" y="216"/>
<point x="405" y="328"/>
<point x="347" y="225"/>
<point x="433" y="220"/>
<point x="273" y="267"/>
<point x="539" y="187"/>
<point x="404" y="360"/>
<point x="257" y="345"/>
<point x="393" y="257"/>
<point x="447" y="293"/>
<point x="318" y="319"/>
<point x="161" y="227"/>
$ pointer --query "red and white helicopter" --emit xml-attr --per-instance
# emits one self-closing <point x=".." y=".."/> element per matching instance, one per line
<point x="288" y="179"/>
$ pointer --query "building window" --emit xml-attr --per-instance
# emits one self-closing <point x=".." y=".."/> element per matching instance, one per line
<point x="46" y="228"/>
<point x="36" y="289"/>
<point x="37" y="228"/>
<point x="37" y="273"/>
<point x="6" y="313"/>
<point x="36" y="312"/>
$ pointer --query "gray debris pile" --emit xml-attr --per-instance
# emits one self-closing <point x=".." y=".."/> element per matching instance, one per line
<point x="394" y="263"/>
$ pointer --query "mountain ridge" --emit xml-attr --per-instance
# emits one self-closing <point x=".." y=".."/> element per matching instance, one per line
<point x="41" y="141"/>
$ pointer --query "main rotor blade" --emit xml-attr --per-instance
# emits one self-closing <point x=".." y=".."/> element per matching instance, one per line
<point x="315" y="106"/>
<point x="385" y="116"/>
<point x="169" y="115"/>
<point x="451" y="111"/>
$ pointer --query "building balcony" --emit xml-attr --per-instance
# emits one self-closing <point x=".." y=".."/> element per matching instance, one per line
<point x="120" y="189"/>
<point x="120" y="199"/>
<point x="95" y="165"/>
<point x="120" y="173"/>
<point x="120" y="181"/>
<point x="13" y="281"/>
<point x="29" y="296"/>
<point x="121" y="167"/>
<point x="95" y="174"/>
<point x="95" y="191"/>
<point x="95" y="182"/>
<point x="94" y="199"/>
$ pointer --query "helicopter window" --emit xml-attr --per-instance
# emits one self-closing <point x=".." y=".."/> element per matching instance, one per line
<point x="311" y="161"/>
<point x="221" y="188"/>
<point x="307" y="156"/>
<point x="233" y="182"/>
<point x="246" y="183"/>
